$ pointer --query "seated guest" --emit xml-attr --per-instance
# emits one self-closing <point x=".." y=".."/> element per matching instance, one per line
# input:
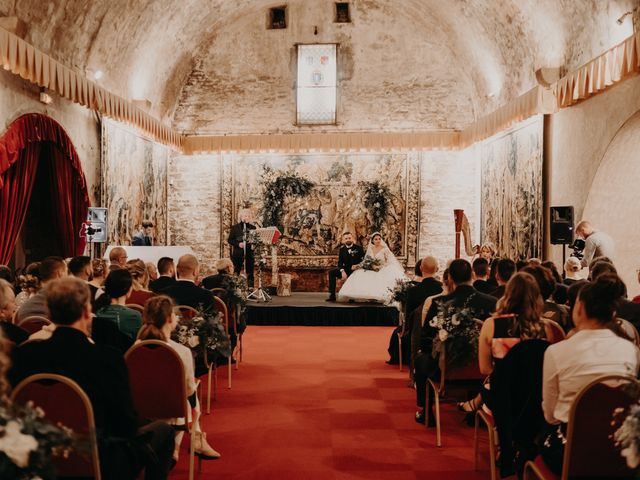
<point x="224" y="266"/>
<point x="416" y="295"/>
<point x="572" y="269"/>
<point x="51" y="268"/>
<point x="111" y="305"/>
<point x="7" y="308"/>
<point x="102" y="374"/>
<point x="28" y="283"/>
<point x="117" y="258"/>
<point x="417" y="272"/>
<point x="505" y="268"/>
<point x="159" y="320"/>
<point x="166" y="275"/>
<point x="140" y="292"/>
<point x="6" y="274"/>
<point x="144" y="237"/>
<point x="81" y="268"/>
<point x="518" y="317"/>
<point x="598" y="348"/>
<point x="628" y="310"/>
<point x="463" y="297"/>
<point x="596" y="260"/>
<point x="493" y="270"/>
<point x="185" y="291"/>
<point x="481" y="276"/>
<point x="99" y="268"/>
<point x="547" y="285"/>
<point x="152" y="271"/>
<point x="560" y="292"/>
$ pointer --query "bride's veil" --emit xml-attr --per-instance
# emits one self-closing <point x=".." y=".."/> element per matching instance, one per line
<point x="392" y="258"/>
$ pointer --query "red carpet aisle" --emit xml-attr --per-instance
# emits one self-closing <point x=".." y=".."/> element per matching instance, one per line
<point x="320" y="403"/>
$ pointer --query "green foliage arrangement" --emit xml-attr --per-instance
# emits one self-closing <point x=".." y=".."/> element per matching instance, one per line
<point x="376" y="200"/>
<point x="276" y="188"/>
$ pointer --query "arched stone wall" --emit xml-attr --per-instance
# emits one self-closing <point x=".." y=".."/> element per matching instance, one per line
<point x="613" y="203"/>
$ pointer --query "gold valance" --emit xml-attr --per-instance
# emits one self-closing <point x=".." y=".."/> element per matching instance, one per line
<point x="611" y="67"/>
<point x="602" y="72"/>
<point x="25" y="60"/>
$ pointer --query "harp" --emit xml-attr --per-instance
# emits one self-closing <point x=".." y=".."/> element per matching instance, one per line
<point x="462" y="227"/>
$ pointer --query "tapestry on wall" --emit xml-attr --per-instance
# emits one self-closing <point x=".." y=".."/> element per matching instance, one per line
<point x="134" y="182"/>
<point x="313" y="198"/>
<point x="512" y="191"/>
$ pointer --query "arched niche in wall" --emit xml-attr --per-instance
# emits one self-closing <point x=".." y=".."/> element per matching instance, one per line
<point x="613" y="203"/>
<point x="39" y="164"/>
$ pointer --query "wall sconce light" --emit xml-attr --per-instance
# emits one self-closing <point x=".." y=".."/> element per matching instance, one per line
<point x="45" y="97"/>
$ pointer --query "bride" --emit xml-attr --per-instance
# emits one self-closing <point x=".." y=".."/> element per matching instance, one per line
<point x="373" y="284"/>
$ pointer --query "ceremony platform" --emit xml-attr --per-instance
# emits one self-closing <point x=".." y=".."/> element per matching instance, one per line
<point x="311" y="309"/>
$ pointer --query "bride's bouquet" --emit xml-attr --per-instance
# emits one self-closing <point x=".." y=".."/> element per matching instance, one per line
<point x="370" y="263"/>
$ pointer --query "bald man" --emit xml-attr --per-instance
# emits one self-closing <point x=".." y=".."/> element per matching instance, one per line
<point x="185" y="291"/>
<point x="417" y="294"/>
<point x="117" y="258"/>
<point x="596" y="243"/>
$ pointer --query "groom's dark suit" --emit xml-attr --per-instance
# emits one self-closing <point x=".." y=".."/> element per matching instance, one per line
<point x="347" y="258"/>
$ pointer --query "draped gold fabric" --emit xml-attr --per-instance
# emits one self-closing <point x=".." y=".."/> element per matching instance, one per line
<point x="604" y="71"/>
<point x="613" y="66"/>
<point x="28" y="62"/>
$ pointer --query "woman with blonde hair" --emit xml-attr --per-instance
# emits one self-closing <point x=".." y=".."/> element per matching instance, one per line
<point x="159" y="320"/>
<point x="141" y="293"/>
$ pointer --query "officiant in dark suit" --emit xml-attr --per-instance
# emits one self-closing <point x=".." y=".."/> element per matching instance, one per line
<point x="350" y="254"/>
<point x="237" y="239"/>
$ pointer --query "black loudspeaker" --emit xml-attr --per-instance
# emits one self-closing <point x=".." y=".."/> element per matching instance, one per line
<point x="561" y="225"/>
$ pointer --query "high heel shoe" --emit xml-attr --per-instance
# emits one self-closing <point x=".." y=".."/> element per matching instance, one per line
<point x="470" y="406"/>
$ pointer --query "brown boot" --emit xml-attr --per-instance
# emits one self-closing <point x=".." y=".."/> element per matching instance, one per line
<point x="202" y="448"/>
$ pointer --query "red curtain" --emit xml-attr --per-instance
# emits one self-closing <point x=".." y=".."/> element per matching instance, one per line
<point x="27" y="139"/>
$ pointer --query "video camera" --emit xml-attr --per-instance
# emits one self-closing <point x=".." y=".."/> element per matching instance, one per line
<point x="577" y="246"/>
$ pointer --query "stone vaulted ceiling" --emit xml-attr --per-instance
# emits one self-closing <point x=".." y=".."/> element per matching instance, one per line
<point x="211" y="66"/>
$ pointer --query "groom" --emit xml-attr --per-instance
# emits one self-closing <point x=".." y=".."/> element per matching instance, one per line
<point x="350" y="254"/>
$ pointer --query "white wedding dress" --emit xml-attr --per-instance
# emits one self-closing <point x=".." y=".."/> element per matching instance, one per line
<point x="366" y="285"/>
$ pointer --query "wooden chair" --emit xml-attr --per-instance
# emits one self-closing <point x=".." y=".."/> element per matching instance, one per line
<point x="136" y="307"/>
<point x="64" y="402"/>
<point x="402" y="323"/>
<point x="187" y="312"/>
<point x="34" y="323"/>
<point x="589" y="450"/>
<point x="557" y="333"/>
<point x="159" y="386"/>
<point x="221" y="307"/>
<point x="487" y="419"/>
<point x="233" y="319"/>
<point x="464" y="374"/>
<point x="630" y="329"/>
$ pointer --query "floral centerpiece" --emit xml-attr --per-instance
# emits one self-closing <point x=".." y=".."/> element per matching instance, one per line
<point x="376" y="199"/>
<point x="236" y="296"/>
<point x="28" y="442"/>
<point x="627" y="436"/>
<point x="276" y="189"/>
<point x="370" y="263"/>
<point x="400" y="291"/>
<point x="457" y="331"/>
<point x="204" y="332"/>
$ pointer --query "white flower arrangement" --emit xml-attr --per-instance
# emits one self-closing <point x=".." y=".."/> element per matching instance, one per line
<point x="627" y="435"/>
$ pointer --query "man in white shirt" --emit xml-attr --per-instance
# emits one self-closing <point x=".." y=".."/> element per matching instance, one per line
<point x="597" y="243"/>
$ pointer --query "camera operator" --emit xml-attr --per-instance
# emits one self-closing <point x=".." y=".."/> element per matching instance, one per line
<point x="597" y="243"/>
